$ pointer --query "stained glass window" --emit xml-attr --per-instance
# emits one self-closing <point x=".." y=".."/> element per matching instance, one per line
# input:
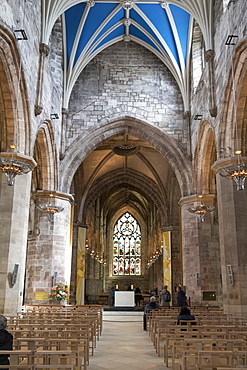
<point x="127" y="246"/>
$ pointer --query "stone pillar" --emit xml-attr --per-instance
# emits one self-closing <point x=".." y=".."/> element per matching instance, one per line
<point x="62" y="143"/>
<point x="232" y="208"/>
<point x="44" y="52"/>
<point x="209" y="58"/>
<point x="176" y="260"/>
<point x="200" y="251"/>
<point x="14" y="205"/>
<point x="49" y="254"/>
<point x="187" y="117"/>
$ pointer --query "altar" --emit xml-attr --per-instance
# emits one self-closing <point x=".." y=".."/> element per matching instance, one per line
<point x="124" y="299"/>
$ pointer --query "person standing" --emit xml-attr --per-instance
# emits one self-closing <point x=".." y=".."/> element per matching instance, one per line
<point x="138" y="296"/>
<point x="6" y="340"/>
<point x="181" y="297"/>
<point x="165" y="297"/>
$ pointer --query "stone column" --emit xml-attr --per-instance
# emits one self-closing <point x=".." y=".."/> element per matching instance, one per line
<point x="62" y="143"/>
<point x="49" y="253"/>
<point x="14" y="205"/>
<point x="44" y="52"/>
<point x="232" y="208"/>
<point x="209" y="58"/>
<point x="200" y="256"/>
<point x="176" y="260"/>
<point x="187" y="118"/>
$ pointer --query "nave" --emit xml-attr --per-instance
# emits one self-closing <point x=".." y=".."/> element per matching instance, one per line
<point x="124" y="344"/>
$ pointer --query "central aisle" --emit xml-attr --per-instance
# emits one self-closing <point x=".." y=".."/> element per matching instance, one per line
<point x="124" y="345"/>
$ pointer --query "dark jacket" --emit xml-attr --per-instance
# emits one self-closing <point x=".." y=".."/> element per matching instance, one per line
<point x="150" y="306"/>
<point x="185" y="317"/>
<point x="6" y="342"/>
<point x="181" y="299"/>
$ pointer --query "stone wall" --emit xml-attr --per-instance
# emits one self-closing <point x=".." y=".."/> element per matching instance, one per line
<point x="126" y="80"/>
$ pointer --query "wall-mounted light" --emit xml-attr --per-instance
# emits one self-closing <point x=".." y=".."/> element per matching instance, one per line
<point x="20" y="34"/>
<point x="54" y="116"/>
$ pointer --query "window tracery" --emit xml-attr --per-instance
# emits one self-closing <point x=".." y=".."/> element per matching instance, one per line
<point x="127" y="246"/>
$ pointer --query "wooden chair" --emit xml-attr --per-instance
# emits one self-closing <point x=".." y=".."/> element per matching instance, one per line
<point x="19" y="358"/>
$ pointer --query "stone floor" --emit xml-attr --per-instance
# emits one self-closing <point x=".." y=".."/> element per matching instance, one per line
<point x="124" y="345"/>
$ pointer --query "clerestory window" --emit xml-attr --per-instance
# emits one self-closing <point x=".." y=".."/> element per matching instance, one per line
<point x="127" y="246"/>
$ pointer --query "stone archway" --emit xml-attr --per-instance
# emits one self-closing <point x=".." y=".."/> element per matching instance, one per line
<point x="164" y="144"/>
<point x="15" y="122"/>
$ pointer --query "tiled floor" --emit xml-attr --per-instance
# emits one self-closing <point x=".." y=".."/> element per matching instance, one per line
<point x="124" y="345"/>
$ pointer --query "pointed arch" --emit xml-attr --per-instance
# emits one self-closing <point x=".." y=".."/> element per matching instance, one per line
<point x="166" y="145"/>
<point x="205" y="156"/>
<point x="14" y="110"/>
<point x="235" y="102"/>
<point x="45" y="153"/>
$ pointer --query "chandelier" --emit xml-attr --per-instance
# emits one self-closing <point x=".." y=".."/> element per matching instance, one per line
<point x="50" y="208"/>
<point x="237" y="172"/>
<point x="13" y="164"/>
<point x="200" y="210"/>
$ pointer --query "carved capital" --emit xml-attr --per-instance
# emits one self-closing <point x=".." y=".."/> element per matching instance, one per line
<point x="44" y="49"/>
<point x="213" y="111"/>
<point x="38" y="109"/>
<point x="65" y="112"/>
<point x="209" y="55"/>
<point x="187" y="114"/>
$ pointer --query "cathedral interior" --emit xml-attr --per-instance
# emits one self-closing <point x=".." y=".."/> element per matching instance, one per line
<point x="123" y="149"/>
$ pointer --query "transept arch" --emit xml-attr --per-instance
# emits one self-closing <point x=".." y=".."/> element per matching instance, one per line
<point x="164" y="144"/>
<point x="45" y="154"/>
<point x="15" y="122"/>
<point x="234" y="107"/>
<point x="205" y="156"/>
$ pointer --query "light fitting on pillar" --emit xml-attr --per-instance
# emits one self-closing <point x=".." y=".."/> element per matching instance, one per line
<point x="200" y="210"/>
<point x="13" y="164"/>
<point x="54" y="116"/>
<point x="50" y="208"/>
<point x="198" y="117"/>
<point x="20" y="34"/>
<point x="237" y="172"/>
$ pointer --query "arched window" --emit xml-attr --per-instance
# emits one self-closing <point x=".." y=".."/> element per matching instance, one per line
<point x="127" y="246"/>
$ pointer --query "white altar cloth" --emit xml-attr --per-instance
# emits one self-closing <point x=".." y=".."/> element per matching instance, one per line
<point x="124" y="299"/>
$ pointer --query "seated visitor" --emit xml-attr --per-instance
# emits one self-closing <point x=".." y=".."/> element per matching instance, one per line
<point x="149" y="307"/>
<point x="184" y="314"/>
<point x="6" y="340"/>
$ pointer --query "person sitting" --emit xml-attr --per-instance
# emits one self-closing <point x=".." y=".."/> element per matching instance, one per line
<point x="184" y="314"/>
<point x="6" y="340"/>
<point x="149" y="307"/>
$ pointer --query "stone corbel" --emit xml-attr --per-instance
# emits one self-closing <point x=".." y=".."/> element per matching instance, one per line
<point x="43" y="53"/>
<point x="62" y="143"/>
<point x="209" y="58"/>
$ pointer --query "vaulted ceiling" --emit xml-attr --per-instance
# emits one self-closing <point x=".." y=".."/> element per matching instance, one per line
<point x="163" y="27"/>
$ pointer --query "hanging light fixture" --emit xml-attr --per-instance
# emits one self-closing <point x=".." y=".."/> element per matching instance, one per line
<point x="200" y="210"/>
<point x="50" y="208"/>
<point x="237" y="172"/>
<point x="13" y="164"/>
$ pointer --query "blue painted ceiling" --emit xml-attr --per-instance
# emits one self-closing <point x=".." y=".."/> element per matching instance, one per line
<point x="162" y="29"/>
